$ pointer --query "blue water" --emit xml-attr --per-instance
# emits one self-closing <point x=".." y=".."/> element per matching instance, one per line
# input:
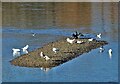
<point x="89" y="67"/>
<point x="53" y="21"/>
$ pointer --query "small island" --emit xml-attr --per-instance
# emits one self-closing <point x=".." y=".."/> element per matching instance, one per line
<point x="67" y="51"/>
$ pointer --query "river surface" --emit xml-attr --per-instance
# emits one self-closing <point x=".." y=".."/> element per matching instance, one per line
<point x="50" y="22"/>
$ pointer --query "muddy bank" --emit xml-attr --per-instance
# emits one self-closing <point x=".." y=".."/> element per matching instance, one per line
<point x="66" y="52"/>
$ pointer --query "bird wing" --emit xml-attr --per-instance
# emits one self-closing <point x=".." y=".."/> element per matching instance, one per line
<point x="16" y="49"/>
<point x="26" y="47"/>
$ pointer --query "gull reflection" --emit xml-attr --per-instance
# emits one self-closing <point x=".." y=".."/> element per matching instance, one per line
<point x="45" y="69"/>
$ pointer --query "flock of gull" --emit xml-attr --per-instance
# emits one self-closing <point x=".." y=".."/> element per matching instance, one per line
<point x="16" y="52"/>
<point x="76" y="35"/>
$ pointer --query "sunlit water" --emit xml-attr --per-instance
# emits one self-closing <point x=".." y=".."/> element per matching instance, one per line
<point x="89" y="67"/>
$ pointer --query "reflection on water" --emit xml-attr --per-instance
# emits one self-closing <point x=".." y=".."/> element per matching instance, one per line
<point x="99" y="16"/>
<point x="42" y="15"/>
<point x="45" y="69"/>
<point x="52" y="21"/>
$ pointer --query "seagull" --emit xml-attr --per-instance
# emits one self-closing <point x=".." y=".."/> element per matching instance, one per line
<point x="16" y="52"/>
<point x="70" y="41"/>
<point x="99" y="35"/>
<point x="110" y="53"/>
<point x="91" y="39"/>
<point x="55" y="50"/>
<point x="25" y="49"/>
<point x="79" y="42"/>
<point x="101" y="49"/>
<point x="46" y="58"/>
<point x="41" y="54"/>
<point x="33" y="34"/>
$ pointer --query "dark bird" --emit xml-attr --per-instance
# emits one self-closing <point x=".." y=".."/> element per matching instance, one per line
<point x="76" y="35"/>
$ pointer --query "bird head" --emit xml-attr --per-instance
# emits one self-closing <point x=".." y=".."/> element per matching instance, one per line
<point x="13" y="49"/>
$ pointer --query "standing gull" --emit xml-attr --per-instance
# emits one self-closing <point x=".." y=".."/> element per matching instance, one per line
<point x="46" y="58"/>
<point x="16" y="52"/>
<point x="110" y="53"/>
<point x="55" y="50"/>
<point x="79" y="42"/>
<point x="70" y="40"/>
<point x="25" y="51"/>
<point x="91" y="39"/>
<point x="41" y="54"/>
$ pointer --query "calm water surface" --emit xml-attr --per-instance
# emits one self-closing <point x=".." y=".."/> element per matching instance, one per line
<point x="52" y="21"/>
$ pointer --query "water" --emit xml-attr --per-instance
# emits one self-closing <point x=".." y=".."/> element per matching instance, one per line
<point x="50" y="22"/>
